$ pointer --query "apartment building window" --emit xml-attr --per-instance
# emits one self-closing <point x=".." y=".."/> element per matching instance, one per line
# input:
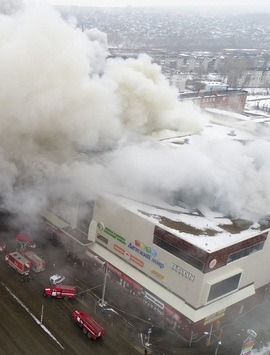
<point x="224" y="287"/>
<point x="245" y="252"/>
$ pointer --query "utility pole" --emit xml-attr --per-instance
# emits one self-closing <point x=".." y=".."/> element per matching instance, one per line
<point x="41" y="317"/>
<point x="104" y="285"/>
<point x="211" y="329"/>
<point x="210" y="334"/>
<point x="191" y="337"/>
<point x="149" y="331"/>
<point x="218" y="344"/>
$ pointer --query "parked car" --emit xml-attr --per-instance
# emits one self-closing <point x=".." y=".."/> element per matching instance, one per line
<point x="56" y="279"/>
<point x="2" y="246"/>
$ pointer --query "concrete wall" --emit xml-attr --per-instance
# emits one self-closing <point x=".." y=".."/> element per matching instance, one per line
<point x="130" y="236"/>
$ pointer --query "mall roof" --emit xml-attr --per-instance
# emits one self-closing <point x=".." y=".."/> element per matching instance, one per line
<point x="206" y="229"/>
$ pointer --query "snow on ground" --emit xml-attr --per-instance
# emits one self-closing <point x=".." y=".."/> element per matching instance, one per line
<point x="258" y="105"/>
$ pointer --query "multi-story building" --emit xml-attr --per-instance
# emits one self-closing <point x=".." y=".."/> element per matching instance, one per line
<point x="195" y="269"/>
<point x="229" y="100"/>
<point x="179" y="80"/>
<point x="254" y="78"/>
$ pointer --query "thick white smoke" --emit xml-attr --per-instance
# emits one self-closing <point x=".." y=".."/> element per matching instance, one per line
<point x="9" y="7"/>
<point x="72" y="123"/>
<point x="264" y="351"/>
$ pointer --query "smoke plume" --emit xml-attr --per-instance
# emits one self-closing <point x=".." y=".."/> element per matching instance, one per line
<point x="75" y="123"/>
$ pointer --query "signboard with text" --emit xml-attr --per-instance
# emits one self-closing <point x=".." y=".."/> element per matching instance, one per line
<point x="247" y="346"/>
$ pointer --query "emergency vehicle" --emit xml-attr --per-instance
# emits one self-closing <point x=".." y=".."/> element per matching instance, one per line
<point x="23" y="239"/>
<point x="18" y="262"/>
<point x="89" y="325"/>
<point x="37" y="264"/>
<point x="60" y="291"/>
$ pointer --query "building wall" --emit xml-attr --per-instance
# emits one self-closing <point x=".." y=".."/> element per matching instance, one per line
<point x="179" y="80"/>
<point x="254" y="79"/>
<point x="230" y="100"/>
<point x="67" y="211"/>
<point x="115" y="227"/>
<point x="130" y="236"/>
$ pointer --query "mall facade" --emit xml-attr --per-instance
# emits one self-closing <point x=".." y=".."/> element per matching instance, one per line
<point x="198" y="270"/>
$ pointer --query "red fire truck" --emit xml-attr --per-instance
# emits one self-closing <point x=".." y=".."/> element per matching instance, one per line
<point x="37" y="264"/>
<point x="60" y="291"/>
<point x="89" y="325"/>
<point x="23" y="239"/>
<point x="18" y="262"/>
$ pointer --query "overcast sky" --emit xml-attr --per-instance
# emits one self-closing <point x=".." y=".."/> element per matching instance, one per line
<point x="245" y="5"/>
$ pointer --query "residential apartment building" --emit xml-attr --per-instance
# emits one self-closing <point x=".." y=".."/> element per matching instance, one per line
<point x="256" y="78"/>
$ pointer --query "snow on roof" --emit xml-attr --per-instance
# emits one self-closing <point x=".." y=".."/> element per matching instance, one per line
<point x="206" y="229"/>
<point x="218" y="83"/>
<point x="222" y="124"/>
<point x="215" y="129"/>
<point x="237" y="126"/>
<point x="233" y="116"/>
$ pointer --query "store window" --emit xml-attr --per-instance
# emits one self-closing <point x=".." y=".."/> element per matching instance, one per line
<point x="245" y="252"/>
<point x="224" y="287"/>
<point x="102" y="239"/>
<point x="179" y="253"/>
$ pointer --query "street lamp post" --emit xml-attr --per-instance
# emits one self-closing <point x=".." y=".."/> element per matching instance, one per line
<point x="210" y="334"/>
<point x="41" y="317"/>
<point x="218" y="344"/>
<point x="191" y="337"/>
<point x="149" y="331"/>
<point x="104" y="286"/>
<point x="209" y="338"/>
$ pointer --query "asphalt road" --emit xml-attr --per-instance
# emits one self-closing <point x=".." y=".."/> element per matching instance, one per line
<point x="22" y="305"/>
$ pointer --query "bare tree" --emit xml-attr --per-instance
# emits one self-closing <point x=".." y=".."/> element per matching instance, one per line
<point x="234" y="67"/>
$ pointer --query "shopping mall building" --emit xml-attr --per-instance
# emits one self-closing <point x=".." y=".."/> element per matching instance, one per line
<point x="195" y="269"/>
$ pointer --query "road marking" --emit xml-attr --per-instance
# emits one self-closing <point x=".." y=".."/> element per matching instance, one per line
<point x="34" y="317"/>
